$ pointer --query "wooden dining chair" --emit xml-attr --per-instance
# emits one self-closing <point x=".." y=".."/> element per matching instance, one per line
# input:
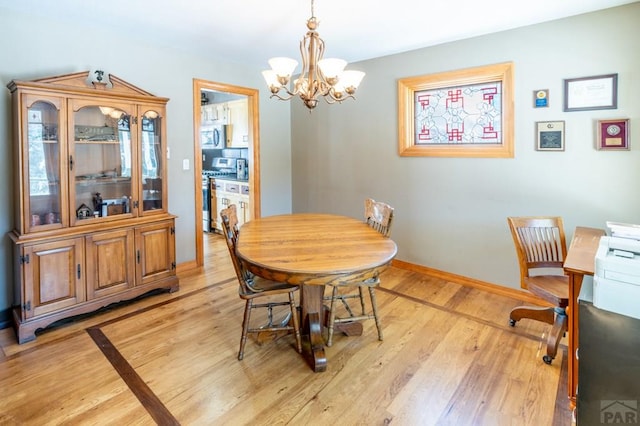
<point x="541" y="248"/>
<point x="254" y="287"/>
<point x="379" y="216"/>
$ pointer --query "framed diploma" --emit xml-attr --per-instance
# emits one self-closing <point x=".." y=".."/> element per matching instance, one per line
<point x="550" y="135"/>
<point x="613" y="134"/>
<point x="590" y="93"/>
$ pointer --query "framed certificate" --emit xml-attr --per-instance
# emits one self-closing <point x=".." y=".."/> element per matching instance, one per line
<point x="590" y="93"/>
<point x="541" y="98"/>
<point x="550" y="135"/>
<point x="612" y="134"/>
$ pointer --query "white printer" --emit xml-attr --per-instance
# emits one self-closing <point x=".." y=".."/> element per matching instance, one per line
<point x="616" y="282"/>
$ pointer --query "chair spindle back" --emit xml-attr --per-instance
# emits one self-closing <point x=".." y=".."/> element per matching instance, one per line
<point x="229" y="218"/>
<point x="378" y="215"/>
<point x="540" y="242"/>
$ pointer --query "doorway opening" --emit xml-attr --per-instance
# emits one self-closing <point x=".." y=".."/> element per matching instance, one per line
<point x="227" y="154"/>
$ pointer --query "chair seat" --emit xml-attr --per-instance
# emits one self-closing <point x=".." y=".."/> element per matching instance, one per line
<point x="552" y="288"/>
<point x="260" y="285"/>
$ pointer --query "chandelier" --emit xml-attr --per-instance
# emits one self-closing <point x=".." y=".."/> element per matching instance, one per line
<point x="319" y="77"/>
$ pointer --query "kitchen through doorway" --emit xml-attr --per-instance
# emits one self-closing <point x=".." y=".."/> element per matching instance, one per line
<point x="227" y="155"/>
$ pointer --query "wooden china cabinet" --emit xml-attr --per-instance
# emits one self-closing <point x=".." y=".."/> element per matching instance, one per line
<point x="91" y="220"/>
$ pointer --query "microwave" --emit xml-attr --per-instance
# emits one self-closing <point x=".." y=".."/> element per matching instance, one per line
<point x="214" y="136"/>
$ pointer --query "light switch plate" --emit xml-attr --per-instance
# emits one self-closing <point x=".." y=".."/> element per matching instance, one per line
<point x="185" y="164"/>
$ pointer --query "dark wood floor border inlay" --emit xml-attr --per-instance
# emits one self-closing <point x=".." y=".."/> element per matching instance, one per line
<point x="73" y="334"/>
<point x="164" y="302"/>
<point x="145" y="395"/>
<point x="560" y="411"/>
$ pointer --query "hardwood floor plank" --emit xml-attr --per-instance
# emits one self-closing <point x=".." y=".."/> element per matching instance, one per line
<point x="386" y="373"/>
<point x="67" y="381"/>
<point x="448" y="357"/>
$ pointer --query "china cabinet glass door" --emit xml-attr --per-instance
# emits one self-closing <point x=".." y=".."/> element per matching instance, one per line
<point x="151" y="155"/>
<point x="100" y="161"/>
<point x="43" y="175"/>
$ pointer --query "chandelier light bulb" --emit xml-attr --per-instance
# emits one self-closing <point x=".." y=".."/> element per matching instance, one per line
<point x="351" y="79"/>
<point x="332" y="67"/>
<point x="283" y="67"/>
<point x="271" y="78"/>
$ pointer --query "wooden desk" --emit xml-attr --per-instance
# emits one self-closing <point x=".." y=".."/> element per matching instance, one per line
<point x="313" y="250"/>
<point x="580" y="261"/>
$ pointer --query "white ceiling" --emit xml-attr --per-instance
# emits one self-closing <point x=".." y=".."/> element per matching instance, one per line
<point x="252" y="31"/>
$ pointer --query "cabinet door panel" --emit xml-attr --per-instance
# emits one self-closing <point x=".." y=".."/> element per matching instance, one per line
<point x="215" y="211"/>
<point x="239" y="120"/>
<point x="53" y="276"/>
<point x="151" y="159"/>
<point x="101" y="154"/>
<point x="155" y="252"/>
<point x="244" y="209"/>
<point x="43" y="175"/>
<point x="110" y="262"/>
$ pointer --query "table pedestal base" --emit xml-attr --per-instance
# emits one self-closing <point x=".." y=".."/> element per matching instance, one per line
<point x="349" y="328"/>
<point x="314" y="353"/>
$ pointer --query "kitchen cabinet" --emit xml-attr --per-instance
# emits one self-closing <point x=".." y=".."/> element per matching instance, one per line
<point x="238" y="193"/>
<point x="213" y="114"/>
<point x="90" y="196"/>
<point x="229" y="192"/>
<point x="238" y="118"/>
<point x="242" y="207"/>
<point x="242" y="203"/>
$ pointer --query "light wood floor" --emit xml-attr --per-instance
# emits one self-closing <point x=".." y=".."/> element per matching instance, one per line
<point x="448" y="358"/>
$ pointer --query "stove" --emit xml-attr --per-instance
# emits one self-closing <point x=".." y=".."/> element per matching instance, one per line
<point x="218" y="173"/>
<point x="208" y="190"/>
<point x="220" y="167"/>
<point x="206" y="174"/>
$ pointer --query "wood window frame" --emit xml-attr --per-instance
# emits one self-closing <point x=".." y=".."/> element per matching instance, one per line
<point x="407" y="88"/>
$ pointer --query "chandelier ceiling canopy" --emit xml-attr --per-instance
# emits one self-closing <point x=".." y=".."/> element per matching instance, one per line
<point x="318" y="77"/>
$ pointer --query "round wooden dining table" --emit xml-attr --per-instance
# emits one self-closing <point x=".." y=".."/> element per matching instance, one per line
<point x="313" y="250"/>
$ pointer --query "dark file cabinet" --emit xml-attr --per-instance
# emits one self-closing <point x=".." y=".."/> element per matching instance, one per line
<point x="608" y="365"/>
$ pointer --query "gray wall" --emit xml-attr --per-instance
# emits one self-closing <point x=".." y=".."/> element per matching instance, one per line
<point x="451" y="212"/>
<point x="35" y="47"/>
